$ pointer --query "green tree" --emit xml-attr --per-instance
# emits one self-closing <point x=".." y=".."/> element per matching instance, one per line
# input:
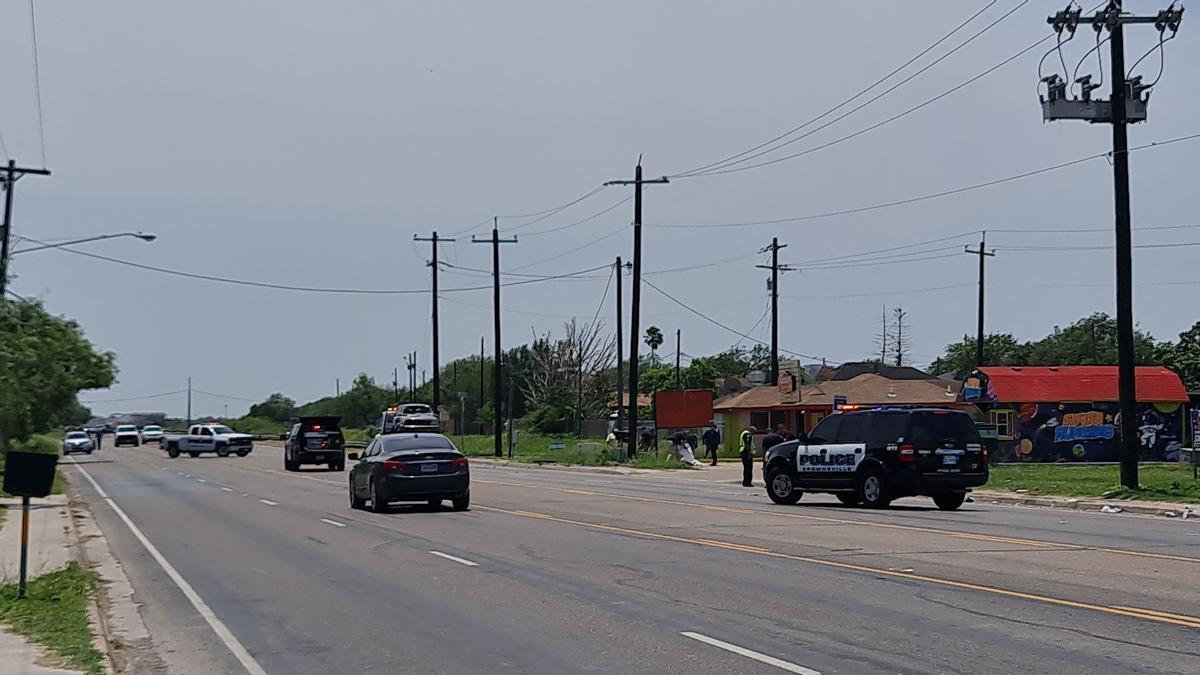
<point x="1184" y="356"/>
<point x="653" y="339"/>
<point x="1000" y="349"/>
<point x="1089" y="341"/>
<point x="277" y="408"/>
<point x="45" y="361"/>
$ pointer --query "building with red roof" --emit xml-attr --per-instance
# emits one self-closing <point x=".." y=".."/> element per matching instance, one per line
<point x="1070" y="413"/>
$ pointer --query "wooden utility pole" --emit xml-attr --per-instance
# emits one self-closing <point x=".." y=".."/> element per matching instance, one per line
<point x="433" y="265"/>
<point x="983" y="254"/>
<point x="8" y="179"/>
<point x="775" y="268"/>
<point x="495" y="241"/>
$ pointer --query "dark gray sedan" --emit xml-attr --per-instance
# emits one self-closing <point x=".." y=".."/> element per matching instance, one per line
<point x="409" y="467"/>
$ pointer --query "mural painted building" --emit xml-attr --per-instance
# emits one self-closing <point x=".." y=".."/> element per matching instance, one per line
<point x="1071" y="414"/>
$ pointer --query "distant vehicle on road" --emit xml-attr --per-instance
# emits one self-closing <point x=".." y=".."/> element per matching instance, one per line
<point x="315" y="440"/>
<point x="151" y="433"/>
<point x="871" y="457"/>
<point x="202" y="438"/>
<point x="409" y="467"/>
<point x="77" y="441"/>
<point x="412" y="417"/>
<point x="127" y="434"/>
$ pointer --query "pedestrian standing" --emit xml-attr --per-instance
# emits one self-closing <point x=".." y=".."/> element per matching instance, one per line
<point x="712" y="441"/>
<point x="772" y="439"/>
<point x="747" y="443"/>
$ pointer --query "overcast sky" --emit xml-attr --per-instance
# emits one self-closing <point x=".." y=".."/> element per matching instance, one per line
<point x="305" y="143"/>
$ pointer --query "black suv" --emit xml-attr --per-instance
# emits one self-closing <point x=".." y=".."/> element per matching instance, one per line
<point x="871" y="457"/>
<point x="315" y="440"/>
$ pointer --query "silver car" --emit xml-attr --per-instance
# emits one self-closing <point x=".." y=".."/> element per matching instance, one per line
<point x="77" y="441"/>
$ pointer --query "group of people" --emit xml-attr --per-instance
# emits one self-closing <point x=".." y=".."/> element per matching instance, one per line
<point x="772" y="439"/>
<point x="683" y="446"/>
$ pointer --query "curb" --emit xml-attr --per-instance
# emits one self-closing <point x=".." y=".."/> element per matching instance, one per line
<point x="96" y="616"/>
<point x="1166" y="510"/>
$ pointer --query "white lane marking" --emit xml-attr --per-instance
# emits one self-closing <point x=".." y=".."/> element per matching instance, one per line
<point x="750" y="654"/>
<point x="179" y="472"/>
<point x="455" y="558"/>
<point x="227" y="489"/>
<point x="268" y="502"/>
<point x="245" y="494"/>
<point x="333" y="522"/>
<point x="226" y="636"/>
<point x="201" y="480"/>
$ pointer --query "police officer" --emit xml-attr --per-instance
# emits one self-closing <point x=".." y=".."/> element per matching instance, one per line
<point x="747" y="443"/>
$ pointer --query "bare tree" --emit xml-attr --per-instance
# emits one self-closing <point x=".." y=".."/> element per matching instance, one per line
<point x="901" y="342"/>
<point x="572" y="373"/>
<point x="881" y="338"/>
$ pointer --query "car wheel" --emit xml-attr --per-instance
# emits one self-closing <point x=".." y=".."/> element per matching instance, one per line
<point x="461" y="502"/>
<point x="289" y="465"/>
<point x="242" y="453"/>
<point x="355" y="502"/>
<point x="780" y="487"/>
<point x="435" y="503"/>
<point x="338" y="466"/>
<point x="948" y="501"/>
<point x="378" y="505"/>
<point x="872" y="489"/>
<point x="172" y="452"/>
<point x="848" y="498"/>
<point x="194" y="454"/>
<point x="222" y="451"/>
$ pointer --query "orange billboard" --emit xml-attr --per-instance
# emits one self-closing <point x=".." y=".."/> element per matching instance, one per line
<point x="683" y="409"/>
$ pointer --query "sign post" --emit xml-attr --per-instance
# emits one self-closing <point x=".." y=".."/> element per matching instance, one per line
<point x="28" y="474"/>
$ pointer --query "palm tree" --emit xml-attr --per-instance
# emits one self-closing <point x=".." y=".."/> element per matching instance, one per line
<point x="653" y="340"/>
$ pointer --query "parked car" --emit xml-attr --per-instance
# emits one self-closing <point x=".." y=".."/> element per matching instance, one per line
<point x="871" y="457"/>
<point x="202" y="438"/>
<point x="409" y="467"/>
<point x="77" y="441"/>
<point x="127" y="434"/>
<point x="151" y="433"/>
<point x="315" y="440"/>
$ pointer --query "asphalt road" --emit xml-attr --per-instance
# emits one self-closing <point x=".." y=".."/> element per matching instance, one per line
<point x="556" y="571"/>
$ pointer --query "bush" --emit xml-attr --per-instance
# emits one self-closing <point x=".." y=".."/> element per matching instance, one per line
<point x="550" y="419"/>
<point x="39" y="443"/>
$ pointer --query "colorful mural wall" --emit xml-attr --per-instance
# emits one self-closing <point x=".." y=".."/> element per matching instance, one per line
<point x="1089" y="432"/>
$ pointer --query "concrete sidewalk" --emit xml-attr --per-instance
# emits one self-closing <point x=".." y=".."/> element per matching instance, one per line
<point x="50" y="549"/>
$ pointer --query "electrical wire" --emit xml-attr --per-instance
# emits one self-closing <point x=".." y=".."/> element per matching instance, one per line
<point x="543" y="215"/>
<point x="133" y="398"/>
<point x="889" y="120"/>
<point x="909" y="291"/>
<point x="488" y="273"/>
<point x="851" y="256"/>
<point x="935" y="195"/>
<point x="1097" y="247"/>
<point x="1093" y="229"/>
<point x="3" y="148"/>
<point x="503" y="309"/>
<point x="867" y="262"/>
<point x="1099" y="62"/>
<point x="37" y="82"/>
<point x="225" y="396"/>
<point x="721" y="325"/>
<point x="844" y="103"/>
<point x="604" y="297"/>
<point x="1162" y="56"/>
<point x="874" y="263"/>
<point x="569" y="251"/>
<point x="579" y="222"/>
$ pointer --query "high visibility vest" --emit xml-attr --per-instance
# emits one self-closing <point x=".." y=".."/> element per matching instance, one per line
<point x="747" y="440"/>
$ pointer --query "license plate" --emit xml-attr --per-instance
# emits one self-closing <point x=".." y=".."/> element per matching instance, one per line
<point x="950" y="459"/>
<point x="429" y="468"/>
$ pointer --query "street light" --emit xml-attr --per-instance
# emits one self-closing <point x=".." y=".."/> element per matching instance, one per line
<point x="137" y="235"/>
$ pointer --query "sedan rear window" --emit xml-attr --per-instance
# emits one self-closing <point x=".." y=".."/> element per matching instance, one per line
<point x="397" y="443"/>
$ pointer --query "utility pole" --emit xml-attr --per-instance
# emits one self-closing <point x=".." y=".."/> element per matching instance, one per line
<point x="479" y="409"/>
<point x="412" y="377"/>
<point x="773" y="285"/>
<point x="433" y="265"/>
<point x="337" y="385"/>
<point x="189" y="403"/>
<point x="1127" y="103"/>
<point x="8" y="181"/>
<point x="396" y="382"/>
<point x="678" y="379"/>
<point x="620" y="353"/>
<point x="634" y="315"/>
<point x="495" y="241"/>
<point x="983" y="254"/>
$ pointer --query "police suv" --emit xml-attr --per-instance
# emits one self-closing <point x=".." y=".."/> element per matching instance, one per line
<point x="871" y="457"/>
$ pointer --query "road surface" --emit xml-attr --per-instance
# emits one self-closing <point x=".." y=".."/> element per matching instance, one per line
<point x="557" y="571"/>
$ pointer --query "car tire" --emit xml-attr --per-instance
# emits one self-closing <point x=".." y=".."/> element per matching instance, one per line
<point x="435" y="503"/>
<point x="242" y="453"/>
<point x="222" y="451"/>
<point x="848" y="498"/>
<point x="949" y="501"/>
<point x="872" y="488"/>
<point x="193" y="455"/>
<point x="377" y="505"/>
<point x="780" y="486"/>
<point x="338" y="466"/>
<point x="355" y="502"/>
<point x="172" y="451"/>
<point x="289" y="465"/>
<point x="461" y="502"/>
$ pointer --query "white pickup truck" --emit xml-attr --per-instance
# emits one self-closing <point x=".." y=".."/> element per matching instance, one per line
<point x="200" y="438"/>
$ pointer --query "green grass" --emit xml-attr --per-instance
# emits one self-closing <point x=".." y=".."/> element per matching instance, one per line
<point x="40" y="443"/>
<point x="1159" y="482"/>
<point x="55" y="614"/>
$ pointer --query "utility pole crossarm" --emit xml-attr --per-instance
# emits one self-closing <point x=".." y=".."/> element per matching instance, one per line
<point x="8" y="180"/>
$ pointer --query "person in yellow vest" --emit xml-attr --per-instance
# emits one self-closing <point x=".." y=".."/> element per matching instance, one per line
<point x="747" y="447"/>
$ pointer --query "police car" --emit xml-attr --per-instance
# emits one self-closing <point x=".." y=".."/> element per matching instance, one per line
<point x="871" y="457"/>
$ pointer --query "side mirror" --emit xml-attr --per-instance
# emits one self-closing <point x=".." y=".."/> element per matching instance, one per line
<point x="352" y="456"/>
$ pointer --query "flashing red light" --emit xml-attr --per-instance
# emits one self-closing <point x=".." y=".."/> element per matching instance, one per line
<point x="316" y="427"/>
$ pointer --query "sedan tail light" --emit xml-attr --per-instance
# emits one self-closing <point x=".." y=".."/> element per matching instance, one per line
<point x="393" y="465"/>
<point x="907" y="453"/>
<point x="460" y="463"/>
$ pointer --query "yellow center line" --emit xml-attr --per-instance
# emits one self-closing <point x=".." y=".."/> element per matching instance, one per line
<point x="860" y="523"/>
<point x="1130" y="612"/>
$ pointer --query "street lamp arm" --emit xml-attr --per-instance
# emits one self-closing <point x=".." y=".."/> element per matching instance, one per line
<point x="137" y="235"/>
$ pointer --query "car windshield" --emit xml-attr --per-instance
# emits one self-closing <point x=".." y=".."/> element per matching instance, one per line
<point x="398" y="443"/>
<point x="221" y="429"/>
<point x="151" y="427"/>
<point x="76" y="435"/>
<point x="125" y="428"/>
<point x="415" y="410"/>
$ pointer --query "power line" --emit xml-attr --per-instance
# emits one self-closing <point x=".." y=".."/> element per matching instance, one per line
<point x="887" y="250"/>
<point x="1097" y="247"/>
<point x="226" y="396"/>
<point x="603" y="298"/>
<point x="569" y="251"/>
<point x="889" y="120"/>
<point x="134" y="398"/>
<point x="552" y="212"/>
<point x="37" y="82"/>
<point x="909" y="291"/>
<point x="721" y="325"/>
<point x="579" y="222"/>
<point x="727" y="160"/>
<point x="935" y="195"/>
